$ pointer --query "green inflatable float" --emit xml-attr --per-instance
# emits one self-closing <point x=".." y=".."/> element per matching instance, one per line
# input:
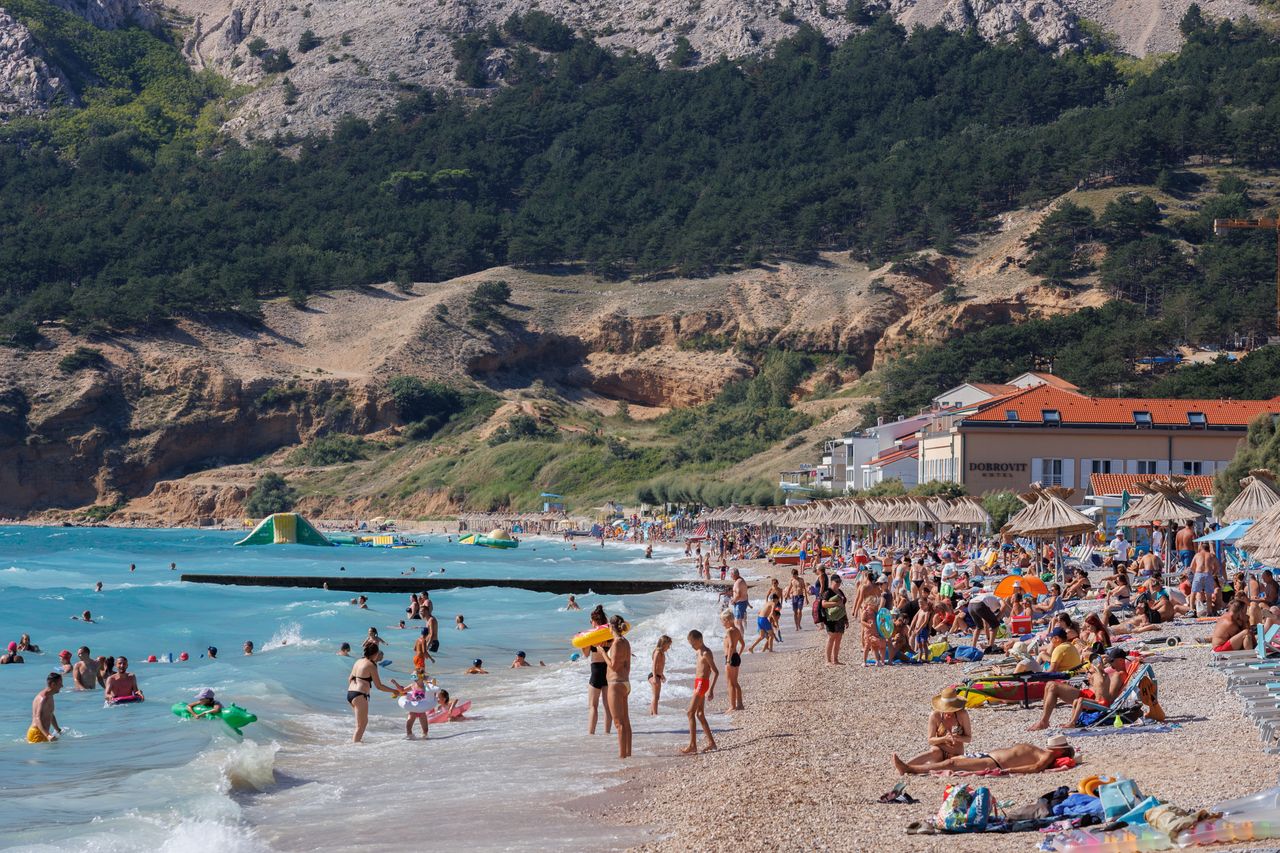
<point x="496" y="538"/>
<point x="235" y="717"/>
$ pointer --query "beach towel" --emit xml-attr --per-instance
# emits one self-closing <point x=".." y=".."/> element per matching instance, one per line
<point x="994" y="772"/>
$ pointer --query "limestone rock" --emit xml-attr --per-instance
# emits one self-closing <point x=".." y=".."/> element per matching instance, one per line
<point x="29" y="83"/>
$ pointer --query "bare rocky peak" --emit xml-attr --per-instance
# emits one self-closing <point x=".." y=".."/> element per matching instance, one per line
<point x="28" y="82"/>
<point x="112" y="14"/>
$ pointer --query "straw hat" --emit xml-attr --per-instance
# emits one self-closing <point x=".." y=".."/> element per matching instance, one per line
<point x="948" y="701"/>
<point x="1057" y="742"/>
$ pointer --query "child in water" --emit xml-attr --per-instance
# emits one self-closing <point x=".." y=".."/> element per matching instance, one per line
<point x="477" y="668"/>
<point x="417" y="692"/>
<point x="658" y="675"/>
<point x="444" y="703"/>
<point x="205" y="702"/>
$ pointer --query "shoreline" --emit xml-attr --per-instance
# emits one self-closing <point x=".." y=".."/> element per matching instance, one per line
<point x="804" y="765"/>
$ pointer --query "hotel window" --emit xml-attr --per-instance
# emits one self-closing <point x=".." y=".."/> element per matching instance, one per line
<point x="1189" y="468"/>
<point x="1051" y="472"/>
<point x="1142" y="419"/>
<point x="1101" y="466"/>
<point x="1146" y="466"/>
<point x="1010" y="415"/>
<point x="1196" y="419"/>
<point x="1051" y="417"/>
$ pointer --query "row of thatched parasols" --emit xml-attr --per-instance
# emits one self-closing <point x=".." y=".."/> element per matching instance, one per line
<point x="856" y="512"/>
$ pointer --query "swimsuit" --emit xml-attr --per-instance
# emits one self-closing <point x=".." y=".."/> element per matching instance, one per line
<point x="763" y="623"/>
<point x="701" y="686"/>
<point x="797" y="602"/>
<point x="735" y="659"/>
<point x="987" y="755"/>
<point x="352" y="694"/>
<point x="597" y="679"/>
<point x="34" y="735"/>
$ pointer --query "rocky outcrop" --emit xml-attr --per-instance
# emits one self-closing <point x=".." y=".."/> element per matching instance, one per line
<point x="112" y="14"/>
<point x="1049" y="22"/>
<point x="29" y="83"/>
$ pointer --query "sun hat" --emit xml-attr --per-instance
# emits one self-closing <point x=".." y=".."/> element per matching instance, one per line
<point x="948" y="701"/>
<point x="1020" y="649"/>
<point x="1057" y="742"/>
<point x="205" y="693"/>
<point x="13" y="647"/>
<point x="64" y="654"/>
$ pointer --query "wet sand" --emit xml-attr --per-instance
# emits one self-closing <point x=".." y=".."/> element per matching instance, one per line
<point x="802" y="768"/>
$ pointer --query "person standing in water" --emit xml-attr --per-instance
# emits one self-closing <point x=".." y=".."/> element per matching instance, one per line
<point x="122" y="684"/>
<point x="85" y="672"/>
<point x="734" y="642"/>
<point x="658" y="675"/>
<point x="705" y="676"/>
<point x="360" y="684"/>
<point x="44" y="724"/>
<point x="597" y="682"/>
<point x="618" y="676"/>
<point x="797" y="595"/>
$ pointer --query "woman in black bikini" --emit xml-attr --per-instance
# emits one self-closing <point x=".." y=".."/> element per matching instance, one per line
<point x="597" y="681"/>
<point x="363" y="678"/>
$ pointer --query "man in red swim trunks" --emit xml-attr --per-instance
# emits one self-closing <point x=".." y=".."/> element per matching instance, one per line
<point x="705" y="676"/>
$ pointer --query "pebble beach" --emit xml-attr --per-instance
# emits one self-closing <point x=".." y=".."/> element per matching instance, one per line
<point x="804" y="765"/>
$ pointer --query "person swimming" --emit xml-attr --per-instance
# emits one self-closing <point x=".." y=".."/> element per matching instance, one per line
<point x="122" y="685"/>
<point x="459" y="623"/>
<point x="84" y="617"/>
<point x="444" y="703"/>
<point x="206" y="702"/>
<point x="519" y="661"/>
<point x="477" y="668"/>
<point x="248" y="647"/>
<point x="345" y="650"/>
<point x="213" y="652"/>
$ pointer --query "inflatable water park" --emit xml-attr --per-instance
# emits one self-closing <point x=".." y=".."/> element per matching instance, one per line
<point x="289" y="528"/>
<point x="496" y="538"/>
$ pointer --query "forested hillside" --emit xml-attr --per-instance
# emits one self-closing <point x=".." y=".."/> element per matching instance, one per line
<point x="880" y="145"/>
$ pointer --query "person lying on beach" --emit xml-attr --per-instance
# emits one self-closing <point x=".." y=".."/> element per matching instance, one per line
<point x="122" y="684"/>
<point x="1077" y="587"/>
<point x="519" y="661"/>
<point x="950" y="729"/>
<point x="204" y="704"/>
<point x="705" y="676"/>
<point x="1231" y="632"/>
<point x="44" y="724"/>
<point x="476" y="668"/>
<point x="657" y="673"/>
<point x="1019" y="758"/>
<point x="11" y="655"/>
<point x="1105" y="683"/>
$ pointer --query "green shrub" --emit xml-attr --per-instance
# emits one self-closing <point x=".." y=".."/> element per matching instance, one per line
<point x="332" y="450"/>
<point x="82" y="358"/>
<point x="281" y="396"/>
<point x="308" y="41"/>
<point x="271" y="494"/>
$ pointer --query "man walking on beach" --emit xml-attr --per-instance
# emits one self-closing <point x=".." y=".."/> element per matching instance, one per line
<point x="739" y="600"/>
<point x="1186" y="543"/>
<point x="1122" y="548"/>
<point x="44" y="725"/>
<point x="705" y="676"/>
<point x="1203" y="578"/>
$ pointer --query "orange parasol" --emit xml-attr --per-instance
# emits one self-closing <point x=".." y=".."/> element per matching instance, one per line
<point x="1030" y="584"/>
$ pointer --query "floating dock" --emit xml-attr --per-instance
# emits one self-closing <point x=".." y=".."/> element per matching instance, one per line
<point x="408" y="583"/>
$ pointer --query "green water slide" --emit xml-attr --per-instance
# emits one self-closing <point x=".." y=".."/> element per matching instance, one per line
<point x="284" y="528"/>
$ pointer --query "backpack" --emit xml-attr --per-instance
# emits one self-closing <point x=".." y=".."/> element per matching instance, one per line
<point x="964" y="809"/>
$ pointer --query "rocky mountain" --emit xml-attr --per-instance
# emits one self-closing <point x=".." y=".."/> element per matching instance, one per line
<point x="163" y="423"/>
<point x="344" y="56"/>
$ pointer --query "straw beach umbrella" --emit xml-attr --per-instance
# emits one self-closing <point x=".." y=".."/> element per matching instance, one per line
<point x="1052" y="516"/>
<point x="1166" y="503"/>
<point x="1263" y="539"/>
<point x="1259" y="493"/>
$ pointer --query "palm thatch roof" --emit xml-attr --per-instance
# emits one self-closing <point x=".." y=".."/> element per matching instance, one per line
<point x="1051" y="515"/>
<point x="1262" y="541"/>
<point x="969" y="511"/>
<point x="1259" y="493"/>
<point x="1165" y="500"/>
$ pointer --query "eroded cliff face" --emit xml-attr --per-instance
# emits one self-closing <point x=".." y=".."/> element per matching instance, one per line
<point x="100" y="436"/>
<point x="29" y="82"/>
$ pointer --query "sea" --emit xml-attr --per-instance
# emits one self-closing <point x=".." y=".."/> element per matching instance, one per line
<point x="136" y="777"/>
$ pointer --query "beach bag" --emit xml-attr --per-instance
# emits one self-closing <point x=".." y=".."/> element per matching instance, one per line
<point x="964" y="809"/>
<point x="939" y="650"/>
<point x="968" y="653"/>
<point x="817" y="611"/>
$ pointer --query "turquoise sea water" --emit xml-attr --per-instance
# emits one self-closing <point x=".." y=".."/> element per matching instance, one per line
<point x="137" y="778"/>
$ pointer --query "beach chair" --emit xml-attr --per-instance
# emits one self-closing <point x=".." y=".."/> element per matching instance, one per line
<point x="1016" y="688"/>
<point x="1247" y="661"/>
<point x="1140" y="688"/>
<point x="1082" y="556"/>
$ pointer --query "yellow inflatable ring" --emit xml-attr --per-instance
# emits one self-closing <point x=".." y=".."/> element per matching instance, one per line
<point x="596" y="636"/>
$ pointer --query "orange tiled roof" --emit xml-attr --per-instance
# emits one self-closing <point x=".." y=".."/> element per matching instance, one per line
<point x="994" y="388"/>
<point x="1118" y="411"/>
<point x="1114" y="484"/>
<point x="912" y="452"/>
<point x="1056" y="381"/>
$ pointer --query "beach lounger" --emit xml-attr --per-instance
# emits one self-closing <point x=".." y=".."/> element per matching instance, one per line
<point x="1020" y="687"/>
<point x="1133" y="693"/>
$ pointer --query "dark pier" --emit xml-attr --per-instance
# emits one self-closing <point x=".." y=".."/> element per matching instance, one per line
<point x="345" y="583"/>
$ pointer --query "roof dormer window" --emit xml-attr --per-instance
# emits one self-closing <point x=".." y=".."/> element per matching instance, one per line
<point x="1011" y="414"/>
<point x="1051" y="417"/>
<point x="1142" y="419"/>
<point x="1197" y="419"/>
